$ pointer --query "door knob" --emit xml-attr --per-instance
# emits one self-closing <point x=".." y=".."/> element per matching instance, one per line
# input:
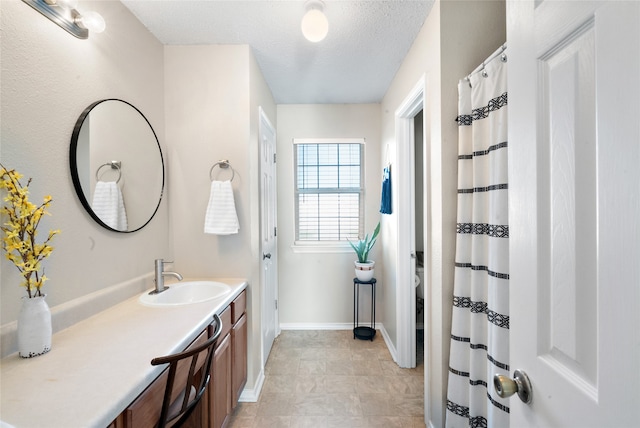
<point x="266" y="256"/>
<point x="520" y="383"/>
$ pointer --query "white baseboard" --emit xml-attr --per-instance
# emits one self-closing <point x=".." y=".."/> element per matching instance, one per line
<point x="252" y="395"/>
<point x="317" y="326"/>
<point x="389" y="343"/>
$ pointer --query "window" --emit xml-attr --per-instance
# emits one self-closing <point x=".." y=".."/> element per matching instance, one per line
<point x="328" y="190"/>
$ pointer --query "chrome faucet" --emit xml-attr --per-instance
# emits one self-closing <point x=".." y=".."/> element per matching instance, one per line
<point x="160" y="274"/>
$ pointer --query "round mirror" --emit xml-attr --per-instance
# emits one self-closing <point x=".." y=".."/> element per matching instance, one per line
<point x="116" y="165"/>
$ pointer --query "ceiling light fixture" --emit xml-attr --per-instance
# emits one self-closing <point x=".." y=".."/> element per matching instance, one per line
<point x="314" y="23"/>
<point x="65" y="14"/>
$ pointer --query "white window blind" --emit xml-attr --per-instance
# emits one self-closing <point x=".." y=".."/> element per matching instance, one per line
<point x="329" y="193"/>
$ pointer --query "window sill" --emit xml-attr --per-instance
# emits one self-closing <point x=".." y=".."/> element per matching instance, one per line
<point x="321" y="247"/>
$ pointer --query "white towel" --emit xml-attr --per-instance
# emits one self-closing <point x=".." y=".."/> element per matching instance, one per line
<point x="108" y="205"/>
<point x="221" y="217"/>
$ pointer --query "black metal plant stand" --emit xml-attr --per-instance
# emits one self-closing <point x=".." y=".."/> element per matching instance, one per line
<point x="364" y="332"/>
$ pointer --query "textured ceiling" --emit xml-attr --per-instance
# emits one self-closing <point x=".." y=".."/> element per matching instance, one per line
<point x="355" y="63"/>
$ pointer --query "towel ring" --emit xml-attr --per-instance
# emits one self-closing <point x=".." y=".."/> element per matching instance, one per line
<point x="224" y="164"/>
<point x="114" y="165"/>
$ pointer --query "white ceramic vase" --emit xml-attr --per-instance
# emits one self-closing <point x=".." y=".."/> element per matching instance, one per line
<point x="364" y="271"/>
<point x="34" y="327"/>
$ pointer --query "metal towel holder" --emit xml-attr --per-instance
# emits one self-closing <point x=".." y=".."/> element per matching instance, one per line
<point x="117" y="165"/>
<point x="223" y="164"/>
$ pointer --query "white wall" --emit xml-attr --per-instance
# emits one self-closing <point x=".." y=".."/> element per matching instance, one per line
<point x="207" y="119"/>
<point x="316" y="289"/>
<point x="48" y="78"/>
<point x="212" y="98"/>
<point x="421" y="63"/>
<point x="441" y="54"/>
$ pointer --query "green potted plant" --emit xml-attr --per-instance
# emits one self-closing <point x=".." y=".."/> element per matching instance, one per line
<point x="364" y="266"/>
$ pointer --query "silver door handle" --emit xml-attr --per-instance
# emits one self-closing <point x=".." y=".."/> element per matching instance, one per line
<point x="520" y="383"/>
<point x="266" y="256"/>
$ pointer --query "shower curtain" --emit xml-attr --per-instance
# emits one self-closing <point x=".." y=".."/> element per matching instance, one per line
<point x="480" y="323"/>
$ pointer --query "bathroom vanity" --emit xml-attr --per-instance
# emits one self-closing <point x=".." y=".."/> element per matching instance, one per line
<point x="98" y="372"/>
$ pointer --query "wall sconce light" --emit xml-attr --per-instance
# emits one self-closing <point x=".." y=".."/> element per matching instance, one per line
<point x="65" y="14"/>
<point x="314" y="23"/>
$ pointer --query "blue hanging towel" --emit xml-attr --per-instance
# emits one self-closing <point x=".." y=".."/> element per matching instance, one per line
<point x="385" y="203"/>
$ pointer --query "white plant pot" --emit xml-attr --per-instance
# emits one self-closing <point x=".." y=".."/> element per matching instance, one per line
<point x="364" y="271"/>
<point x="34" y="327"/>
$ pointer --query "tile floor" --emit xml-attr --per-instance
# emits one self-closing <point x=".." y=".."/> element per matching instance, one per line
<point x="319" y="379"/>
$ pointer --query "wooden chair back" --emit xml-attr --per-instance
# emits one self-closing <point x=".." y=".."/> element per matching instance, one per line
<point x="185" y="388"/>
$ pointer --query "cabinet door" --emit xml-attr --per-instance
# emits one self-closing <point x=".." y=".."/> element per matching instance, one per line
<point x="239" y="363"/>
<point x="118" y="422"/>
<point x="238" y="307"/>
<point x="220" y="391"/>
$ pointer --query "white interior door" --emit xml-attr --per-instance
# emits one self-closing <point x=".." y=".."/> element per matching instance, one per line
<point x="268" y="233"/>
<point x="574" y="162"/>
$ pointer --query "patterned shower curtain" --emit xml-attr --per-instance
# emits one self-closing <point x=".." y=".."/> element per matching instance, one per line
<point x="480" y="324"/>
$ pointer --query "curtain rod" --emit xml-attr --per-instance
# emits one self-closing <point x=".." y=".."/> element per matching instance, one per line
<point x="479" y="68"/>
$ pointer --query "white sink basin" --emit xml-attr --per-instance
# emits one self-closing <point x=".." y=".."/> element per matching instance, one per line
<point x="186" y="292"/>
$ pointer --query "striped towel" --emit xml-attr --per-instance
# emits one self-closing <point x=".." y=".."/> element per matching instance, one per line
<point x="108" y="205"/>
<point x="221" y="217"/>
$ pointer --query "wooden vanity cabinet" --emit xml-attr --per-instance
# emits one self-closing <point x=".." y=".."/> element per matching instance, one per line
<point x="238" y="347"/>
<point x="219" y="393"/>
<point x="230" y="365"/>
<point x="117" y="422"/>
<point x="228" y="378"/>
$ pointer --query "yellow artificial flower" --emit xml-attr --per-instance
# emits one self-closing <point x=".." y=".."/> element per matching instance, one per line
<point x="20" y="231"/>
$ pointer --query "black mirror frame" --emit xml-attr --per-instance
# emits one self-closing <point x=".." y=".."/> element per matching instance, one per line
<point x="73" y="165"/>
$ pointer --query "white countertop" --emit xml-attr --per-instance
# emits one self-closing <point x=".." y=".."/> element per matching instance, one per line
<point x="98" y="366"/>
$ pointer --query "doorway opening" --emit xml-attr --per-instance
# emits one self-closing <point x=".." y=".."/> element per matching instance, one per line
<point x="419" y="193"/>
<point x="406" y="114"/>
<point x="408" y="136"/>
